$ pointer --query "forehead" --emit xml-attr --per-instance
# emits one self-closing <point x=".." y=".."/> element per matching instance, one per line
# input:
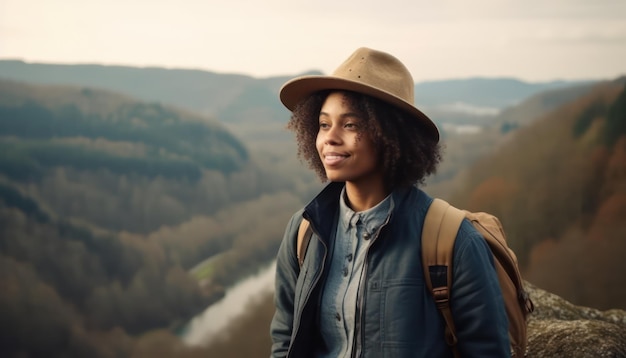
<point x="339" y="100"/>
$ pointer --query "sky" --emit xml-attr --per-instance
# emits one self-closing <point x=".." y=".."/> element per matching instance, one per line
<point x="533" y="40"/>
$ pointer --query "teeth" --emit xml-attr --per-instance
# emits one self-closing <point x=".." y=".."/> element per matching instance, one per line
<point x="334" y="157"/>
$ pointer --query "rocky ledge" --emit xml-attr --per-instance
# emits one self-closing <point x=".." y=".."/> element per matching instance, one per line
<point x="559" y="328"/>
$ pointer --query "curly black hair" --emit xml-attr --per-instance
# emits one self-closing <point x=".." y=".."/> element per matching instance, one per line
<point x="406" y="151"/>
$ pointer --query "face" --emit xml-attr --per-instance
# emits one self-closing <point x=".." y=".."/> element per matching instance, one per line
<point x="347" y="154"/>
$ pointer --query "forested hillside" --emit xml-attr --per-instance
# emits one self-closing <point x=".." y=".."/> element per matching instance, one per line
<point x="249" y="105"/>
<point x="559" y="187"/>
<point x="218" y="94"/>
<point x="462" y="149"/>
<point x="106" y="203"/>
<point x="73" y="148"/>
<point x="223" y="95"/>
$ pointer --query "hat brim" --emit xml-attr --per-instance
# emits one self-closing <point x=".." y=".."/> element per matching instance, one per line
<point x="294" y="91"/>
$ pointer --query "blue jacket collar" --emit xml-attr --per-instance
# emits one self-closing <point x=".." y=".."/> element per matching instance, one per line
<point x="325" y="206"/>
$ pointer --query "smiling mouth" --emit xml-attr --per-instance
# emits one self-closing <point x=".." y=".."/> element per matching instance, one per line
<point x="334" y="159"/>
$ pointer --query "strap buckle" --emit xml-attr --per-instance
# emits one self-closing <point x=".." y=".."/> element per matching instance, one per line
<point x="441" y="296"/>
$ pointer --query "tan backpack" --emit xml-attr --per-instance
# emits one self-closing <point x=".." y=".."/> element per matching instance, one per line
<point x="438" y="235"/>
<point x="440" y="229"/>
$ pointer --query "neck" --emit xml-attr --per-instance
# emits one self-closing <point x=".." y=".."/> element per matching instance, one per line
<point x="363" y="197"/>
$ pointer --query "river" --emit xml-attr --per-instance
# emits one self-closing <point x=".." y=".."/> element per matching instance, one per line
<point x="203" y="328"/>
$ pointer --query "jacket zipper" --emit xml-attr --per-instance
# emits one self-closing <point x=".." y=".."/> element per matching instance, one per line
<point x="358" y="341"/>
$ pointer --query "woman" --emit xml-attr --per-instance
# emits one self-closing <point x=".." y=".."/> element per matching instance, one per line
<point x="360" y="291"/>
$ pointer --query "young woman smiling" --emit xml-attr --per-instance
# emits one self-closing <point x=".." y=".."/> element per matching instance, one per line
<point x="360" y="291"/>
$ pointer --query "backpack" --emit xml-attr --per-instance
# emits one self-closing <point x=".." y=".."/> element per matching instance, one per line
<point x="441" y="225"/>
<point x="438" y="235"/>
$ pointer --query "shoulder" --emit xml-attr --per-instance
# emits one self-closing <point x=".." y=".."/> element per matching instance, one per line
<point x="291" y="231"/>
<point x="294" y="223"/>
<point x="467" y="231"/>
<point x="470" y="245"/>
<point x="296" y="218"/>
<point x="411" y="200"/>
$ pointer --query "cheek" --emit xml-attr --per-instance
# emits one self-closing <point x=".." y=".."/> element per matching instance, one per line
<point x="372" y="153"/>
<point x="368" y="146"/>
<point x="319" y="143"/>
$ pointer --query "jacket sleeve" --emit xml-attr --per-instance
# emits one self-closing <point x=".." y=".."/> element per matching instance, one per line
<point x="287" y="270"/>
<point x="476" y="303"/>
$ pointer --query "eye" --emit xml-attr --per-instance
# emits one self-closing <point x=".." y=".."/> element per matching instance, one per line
<point x="324" y="125"/>
<point x="350" y="125"/>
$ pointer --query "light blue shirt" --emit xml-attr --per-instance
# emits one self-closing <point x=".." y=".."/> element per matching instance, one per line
<point x="338" y="310"/>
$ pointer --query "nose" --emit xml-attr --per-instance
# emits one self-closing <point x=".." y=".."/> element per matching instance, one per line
<point x="332" y="136"/>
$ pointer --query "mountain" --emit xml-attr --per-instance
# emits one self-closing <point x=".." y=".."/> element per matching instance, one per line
<point x="55" y="136"/>
<point x="250" y="109"/>
<point x="107" y="202"/>
<point x="467" y="138"/>
<point x="539" y="103"/>
<point x="67" y="291"/>
<point x="557" y="184"/>
<point x="199" y="91"/>
<point x="89" y="155"/>
<point x="483" y="92"/>
<point x="245" y="99"/>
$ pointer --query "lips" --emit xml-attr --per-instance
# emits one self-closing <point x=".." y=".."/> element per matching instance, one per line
<point x="334" y="158"/>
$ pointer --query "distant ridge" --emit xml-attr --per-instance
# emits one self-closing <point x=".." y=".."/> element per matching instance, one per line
<point x="193" y="89"/>
<point x="217" y="94"/>
<point x="486" y="92"/>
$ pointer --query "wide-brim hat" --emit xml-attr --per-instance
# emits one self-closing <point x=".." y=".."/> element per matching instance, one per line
<point x="374" y="73"/>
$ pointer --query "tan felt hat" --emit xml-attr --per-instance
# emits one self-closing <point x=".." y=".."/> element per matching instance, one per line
<point x="367" y="71"/>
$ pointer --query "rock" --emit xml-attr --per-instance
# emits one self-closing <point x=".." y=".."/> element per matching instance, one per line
<point x="558" y="328"/>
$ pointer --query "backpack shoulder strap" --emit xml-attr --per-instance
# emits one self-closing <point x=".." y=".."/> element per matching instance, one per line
<point x="304" y="236"/>
<point x="441" y="225"/>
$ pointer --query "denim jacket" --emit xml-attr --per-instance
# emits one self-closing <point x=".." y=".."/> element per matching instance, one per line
<point x="396" y="316"/>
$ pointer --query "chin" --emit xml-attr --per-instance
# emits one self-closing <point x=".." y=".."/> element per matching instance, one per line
<point x="335" y="178"/>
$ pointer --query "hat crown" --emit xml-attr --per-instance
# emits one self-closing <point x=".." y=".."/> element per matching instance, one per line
<point x="369" y="72"/>
<point x="379" y="70"/>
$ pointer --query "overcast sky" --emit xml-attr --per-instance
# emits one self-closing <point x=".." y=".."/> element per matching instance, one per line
<point x="534" y="40"/>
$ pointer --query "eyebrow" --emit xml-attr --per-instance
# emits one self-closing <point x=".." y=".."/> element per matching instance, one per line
<point x="343" y="115"/>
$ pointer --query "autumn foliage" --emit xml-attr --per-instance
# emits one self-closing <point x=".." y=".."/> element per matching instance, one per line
<point x="107" y="204"/>
<point x="559" y="187"/>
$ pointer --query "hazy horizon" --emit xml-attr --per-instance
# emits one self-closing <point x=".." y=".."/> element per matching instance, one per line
<point x="469" y="77"/>
<point x="533" y="41"/>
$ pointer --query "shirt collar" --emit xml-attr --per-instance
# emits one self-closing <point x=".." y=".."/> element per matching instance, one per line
<point x="371" y="218"/>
